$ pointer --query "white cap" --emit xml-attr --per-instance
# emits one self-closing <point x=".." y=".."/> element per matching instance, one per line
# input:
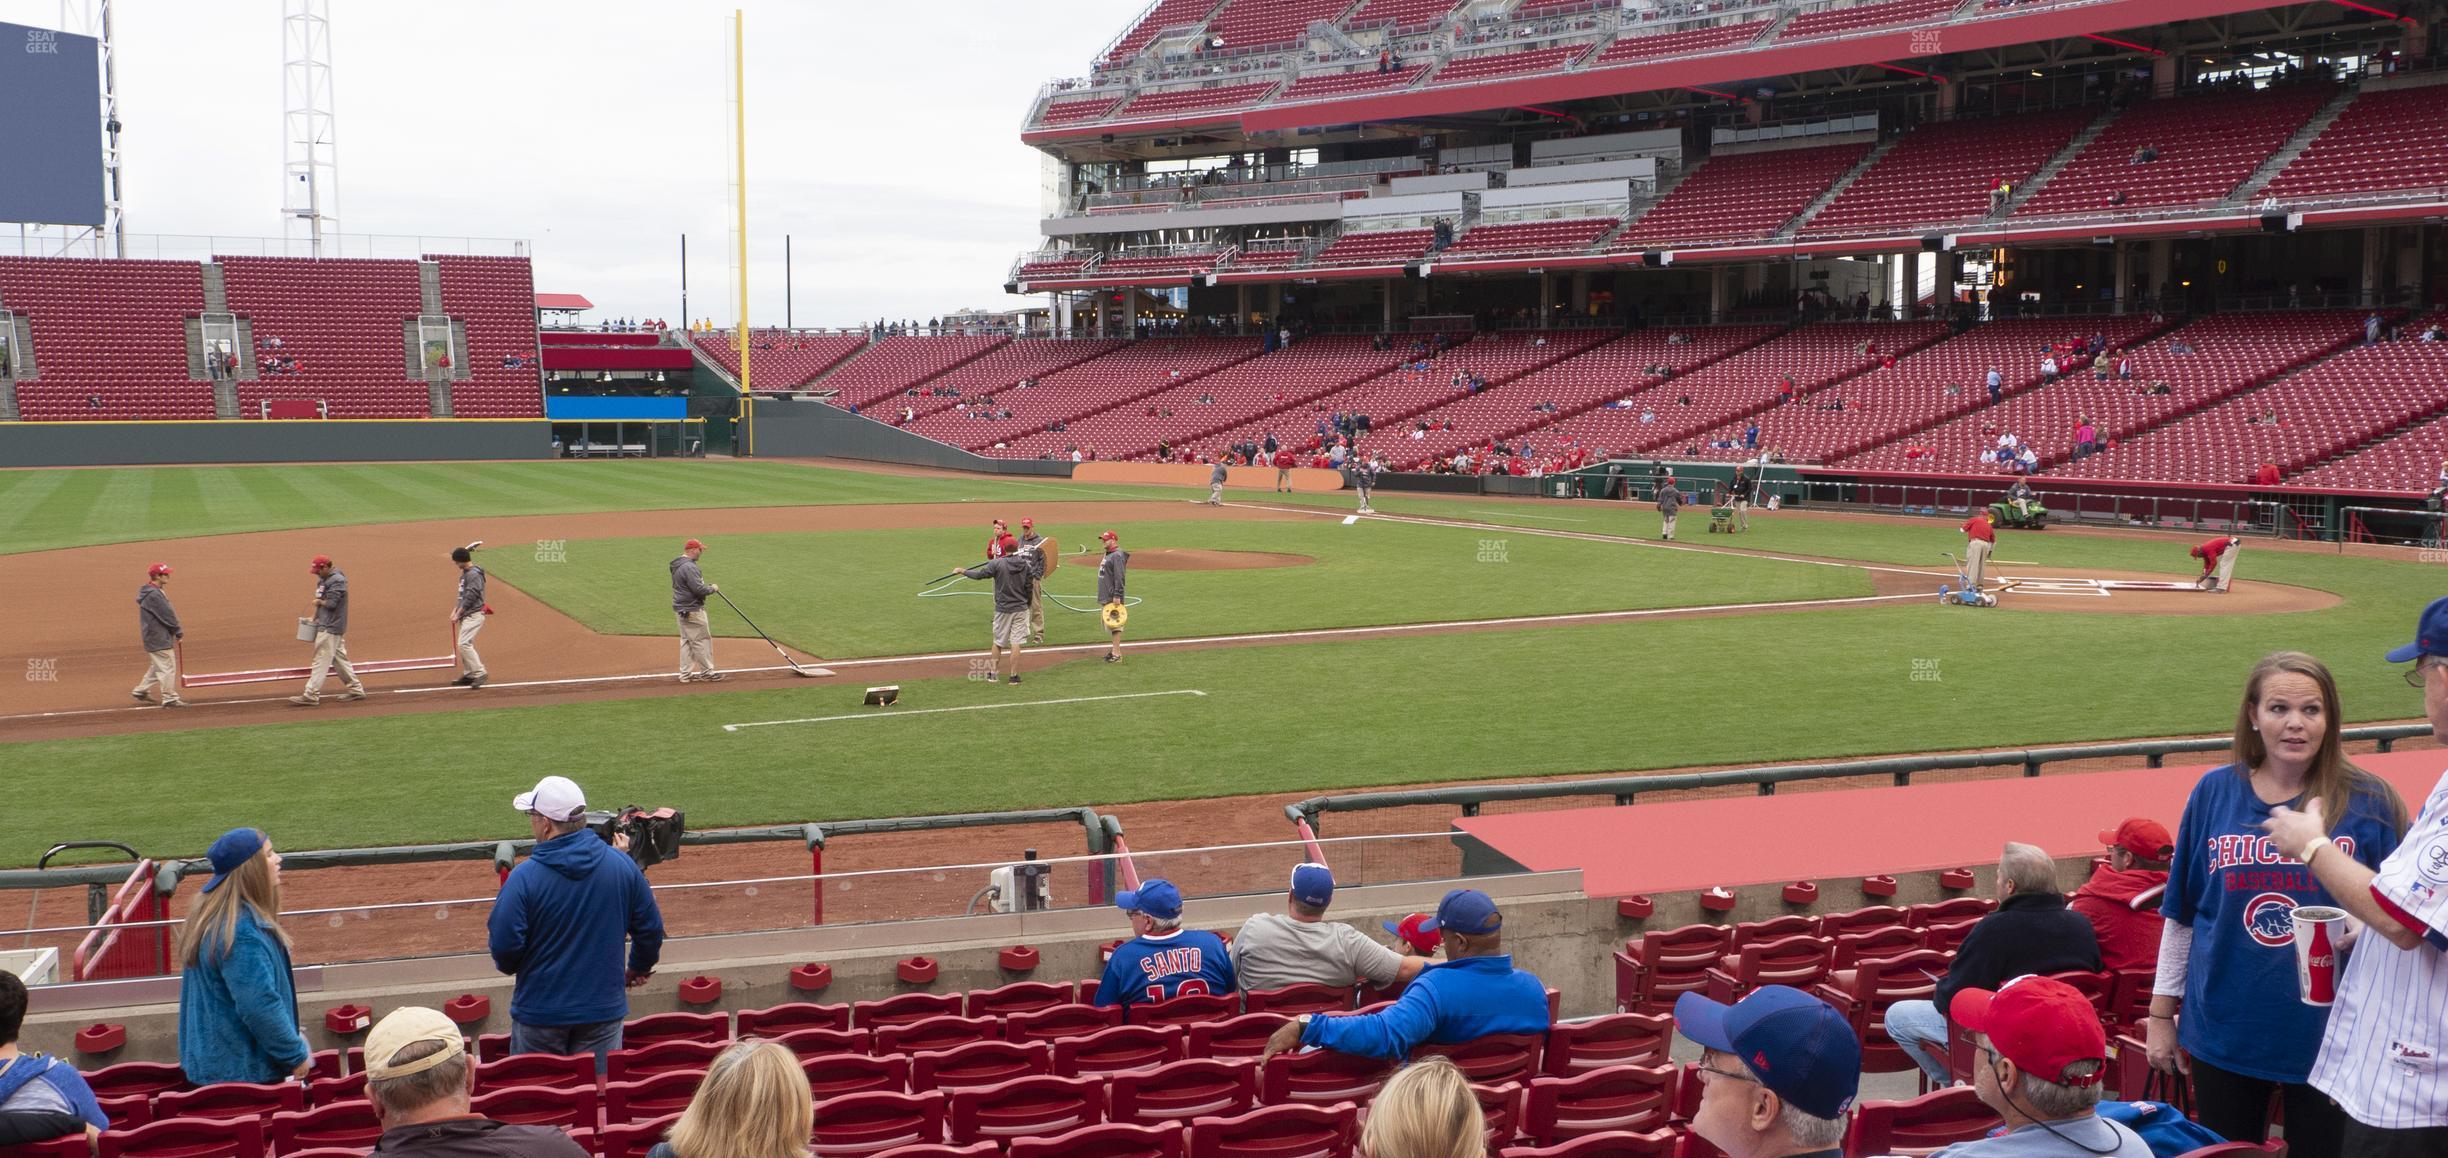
<point x="554" y="798"/>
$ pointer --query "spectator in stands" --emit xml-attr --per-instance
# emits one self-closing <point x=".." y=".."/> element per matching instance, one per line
<point x="420" y="1082"/>
<point x="1411" y="939"/>
<point x="1300" y="946"/>
<point x="2031" y="932"/>
<point x="2145" y="155"/>
<point x="2041" y="1060"/>
<point x="754" y="1103"/>
<point x="238" y="1017"/>
<point x="1426" y="1110"/>
<point x="1474" y="992"/>
<point x="2371" y="328"/>
<point x="2122" y="900"/>
<point x="2389" y="993"/>
<point x="41" y="1098"/>
<point x="1997" y="383"/>
<point x="1161" y="959"/>
<point x="558" y="924"/>
<point x="1750" y="438"/>
<point x="1778" y="1071"/>
<point x="2026" y="461"/>
<point x="2225" y="1006"/>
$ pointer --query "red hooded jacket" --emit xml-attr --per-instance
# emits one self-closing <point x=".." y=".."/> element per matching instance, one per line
<point x="2124" y="910"/>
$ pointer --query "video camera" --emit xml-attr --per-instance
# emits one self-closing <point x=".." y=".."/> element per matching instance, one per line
<point x="654" y="836"/>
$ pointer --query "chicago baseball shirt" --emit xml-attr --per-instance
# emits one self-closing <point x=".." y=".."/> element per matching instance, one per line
<point x="1149" y="969"/>
<point x="2381" y="1059"/>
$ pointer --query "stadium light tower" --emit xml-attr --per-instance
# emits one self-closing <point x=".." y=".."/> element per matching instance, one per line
<point x="310" y="201"/>
<point x="93" y="18"/>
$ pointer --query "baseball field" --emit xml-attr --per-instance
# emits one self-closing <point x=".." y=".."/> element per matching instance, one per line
<point x="1277" y="647"/>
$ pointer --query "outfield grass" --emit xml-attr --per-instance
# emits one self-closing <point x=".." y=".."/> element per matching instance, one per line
<point x="854" y="593"/>
<point x="42" y="510"/>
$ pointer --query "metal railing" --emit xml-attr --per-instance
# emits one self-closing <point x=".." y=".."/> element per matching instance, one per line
<point x="37" y="241"/>
<point x="1625" y="790"/>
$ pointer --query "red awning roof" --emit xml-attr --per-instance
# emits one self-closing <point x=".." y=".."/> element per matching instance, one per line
<point x="563" y="302"/>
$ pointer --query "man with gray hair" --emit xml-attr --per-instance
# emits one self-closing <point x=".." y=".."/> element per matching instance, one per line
<point x="2042" y="1055"/>
<point x="2032" y="931"/>
<point x="419" y="1079"/>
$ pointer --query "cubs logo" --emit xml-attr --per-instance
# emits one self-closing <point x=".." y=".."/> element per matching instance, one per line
<point x="2270" y="918"/>
<point x="2432" y="862"/>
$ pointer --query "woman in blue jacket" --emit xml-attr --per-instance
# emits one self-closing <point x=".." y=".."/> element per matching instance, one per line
<point x="238" y="1018"/>
<point x="2227" y="953"/>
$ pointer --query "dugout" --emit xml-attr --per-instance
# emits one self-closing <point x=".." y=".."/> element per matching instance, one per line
<point x="624" y="426"/>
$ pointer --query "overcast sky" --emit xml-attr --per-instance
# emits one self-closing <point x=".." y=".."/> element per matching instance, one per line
<point x="596" y="131"/>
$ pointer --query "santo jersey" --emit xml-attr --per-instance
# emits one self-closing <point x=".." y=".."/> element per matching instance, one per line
<point x="1150" y="969"/>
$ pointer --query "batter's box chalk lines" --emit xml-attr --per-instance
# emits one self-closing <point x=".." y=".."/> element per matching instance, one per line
<point x="892" y="715"/>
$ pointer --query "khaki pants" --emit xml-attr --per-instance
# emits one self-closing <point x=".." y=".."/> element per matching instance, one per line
<point x="469" y="625"/>
<point x="1976" y="561"/>
<point x="2226" y="567"/>
<point x="161" y="671"/>
<point x="1670" y="521"/>
<point x="1215" y="494"/>
<point x="1036" y="616"/>
<point x="696" y="643"/>
<point x="1283" y="479"/>
<point x="331" y="651"/>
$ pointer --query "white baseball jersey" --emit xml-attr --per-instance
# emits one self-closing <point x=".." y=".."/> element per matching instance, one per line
<point x="2385" y="1055"/>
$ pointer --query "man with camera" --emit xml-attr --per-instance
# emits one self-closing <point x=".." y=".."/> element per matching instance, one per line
<point x="558" y="926"/>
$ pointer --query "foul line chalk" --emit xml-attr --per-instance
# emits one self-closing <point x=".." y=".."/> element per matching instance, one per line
<point x="889" y="715"/>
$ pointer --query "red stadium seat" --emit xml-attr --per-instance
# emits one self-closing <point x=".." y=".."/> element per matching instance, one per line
<point x="657" y="1028"/>
<point x="649" y="1098"/>
<point x="1277" y="1132"/>
<point x="1107" y="1141"/>
<point x="936" y="1033"/>
<point x="1871" y="944"/>
<point x="774" y="1021"/>
<point x="1500" y="1109"/>
<point x="906" y="1008"/>
<point x="1799" y="961"/>
<point x="1021" y="997"/>
<point x="941" y="1150"/>
<point x="1947" y="936"/>
<point x="1124" y="1047"/>
<point x="1861" y="920"/>
<point x="1234" y="1037"/>
<point x="1320" y="1077"/>
<point x="2237" y="1149"/>
<point x="1029" y="1107"/>
<point x="631" y="1139"/>
<point x="1658" y="1143"/>
<point x="540" y="1106"/>
<point x="537" y="1069"/>
<point x="1876" y="985"/>
<point x="230" y="1100"/>
<point x="857" y="1125"/>
<point x="1919" y="1125"/>
<point x="808" y="1043"/>
<point x="1575" y="1047"/>
<point x="979" y="1063"/>
<point x="1185" y="1009"/>
<point x="340" y="1124"/>
<point x="331" y="1091"/>
<point x="1294" y="1000"/>
<point x="1493" y="1058"/>
<point x="623" y="1065"/>
<point x="1774" y="929"/>
<point x="146" y="1078"/>
<point x="835" y="1074"/>
<point x="1176" y="1092"/>
<point x="188" y="1138"/>
<point x="66" y="1146"/>
<point x="1651" y="972"/>
<point x="1948" y="912"/>
<point x="1060" y="1021"/>
<point x="1618" y="1098"/>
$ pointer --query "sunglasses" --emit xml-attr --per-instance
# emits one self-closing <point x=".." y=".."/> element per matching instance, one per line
<point x="2414" y="675"/>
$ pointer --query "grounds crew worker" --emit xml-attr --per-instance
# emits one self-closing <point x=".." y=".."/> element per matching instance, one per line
<point x="1109" y="594"/>
<point x="159" y="626"/>
<point x="2218" y="560"/>
<point x="1215" y="484"/>
<point x="1014" y="578"/>
<point x="1670" y="502"/>
<point x="330" y="635"/>
<point x="1032" y="545"/>
<point x="1979" y="539"/>
<point x="468" y="618"/>
<point x="689" y="590"/>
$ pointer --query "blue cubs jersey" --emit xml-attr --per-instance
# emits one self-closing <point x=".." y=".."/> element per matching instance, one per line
<point x="1148" y="969"/>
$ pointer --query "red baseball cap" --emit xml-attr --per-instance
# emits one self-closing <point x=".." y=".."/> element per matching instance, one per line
<point x="1409" y="930"/>
<point x="692" y="545"/>
<point x="1008" y="543"/>
<point x="2142" y="837"/>
<point x="2041" y="1024"/>
<point x="1026" y="523"/>
<point x="157" y="570"/>
<point x="1109" y="537"/>
<point x="320" y="562"/>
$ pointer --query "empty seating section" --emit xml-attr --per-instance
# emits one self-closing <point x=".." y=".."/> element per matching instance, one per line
<point x="1940" y="174"/>
<point x="1813" y="356"/>
<point x="1166" y="14"/>
<point x="2383" y="141"/>
<point x="1574" y="385"/>
<point x="2206" y="146"/>
<point x="1249" y="24"/>
<point x="898" y="363"/>
<point x="1394" y="396"/>
<point x="2408" y="463"/>
<point x="1381" y="247"/>
<point x="494" y="298"/>
<point x="343" y="321"/>
<point x="1065" y="265"/>
<point x="1194" y="100"/>
<point x="1745" y="196"/>
<point x="1134" y="371"/>
<point x="1682" y="42"/>
<point x="780" y="359"/>
<point x="1561" y="236"/>
<point x="2326" y="408"/>
<point x="1078" y="110"/>
<point x="1161" y="265"/>
<point x="110" y="337"/>
<point x="1264" y="255"/>
<point x="1190" y="414"/>
<point x="1338" y="84"/>
<point x="1837" y="21"/>
<point x="1885" y="407"/>
<point x="1401" y="15"/>
<point x="1511" y="63"/>
<point x="999" y="370"/>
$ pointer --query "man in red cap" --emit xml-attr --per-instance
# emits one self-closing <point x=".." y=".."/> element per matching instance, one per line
<point x="1034" y="543"/>
<point x="999" y="541"/>
<point x="689" y="591"/>
<point x="159" y="627"/>
<point x="2218" y="558"/>
<point x="2122" y="900"/>
<point x="1980" y="538"/>
<point x="1111" y="573"/>
<point x="2041" y="1054"/>
<point x="330" y="636"/>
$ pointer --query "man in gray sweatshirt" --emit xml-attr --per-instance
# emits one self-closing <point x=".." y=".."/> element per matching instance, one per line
<point x="1110" y="574"/>
<point x="1670" y="502"/>
<point x="1032" y="545"/>
<point x="468" y="618"/>
<point x="159" y="627"/>
<point x="1215" y="484"/>
<point x="1014" y="577"/>
<point x="689" y="591"/>
<point x="330" y="636"/>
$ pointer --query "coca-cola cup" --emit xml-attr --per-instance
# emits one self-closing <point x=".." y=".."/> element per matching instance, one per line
<point x="2319" y="931"/>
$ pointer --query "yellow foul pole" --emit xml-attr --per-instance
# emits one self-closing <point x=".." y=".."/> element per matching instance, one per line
<point x="739" y="157"/>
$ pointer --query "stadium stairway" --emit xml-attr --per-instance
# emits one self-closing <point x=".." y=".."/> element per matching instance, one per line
<point x="2065" y="156"/>
<point x="2295" y="145"/>
<point x="1836" y="189"/>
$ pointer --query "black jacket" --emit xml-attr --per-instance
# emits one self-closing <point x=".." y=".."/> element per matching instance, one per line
<point x="474" y="1137"/>
<point x="2027" y="934"/>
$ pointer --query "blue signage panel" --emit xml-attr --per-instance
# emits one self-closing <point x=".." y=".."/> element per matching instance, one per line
<point x="586" y="408"/>
<point x="50" y="127"/>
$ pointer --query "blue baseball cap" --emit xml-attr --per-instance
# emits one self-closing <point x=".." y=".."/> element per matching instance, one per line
<point x="1313" y="885"/>
<point x="1468" y="912"/>
<point x="1156" y="897"/>
<point x="236" y="847"/>
<point x="2430" y="634"/>
<point x="1795" y="1044"/>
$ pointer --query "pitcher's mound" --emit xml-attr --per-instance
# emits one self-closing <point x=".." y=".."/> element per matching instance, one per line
<point x="1186" y="559"/>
